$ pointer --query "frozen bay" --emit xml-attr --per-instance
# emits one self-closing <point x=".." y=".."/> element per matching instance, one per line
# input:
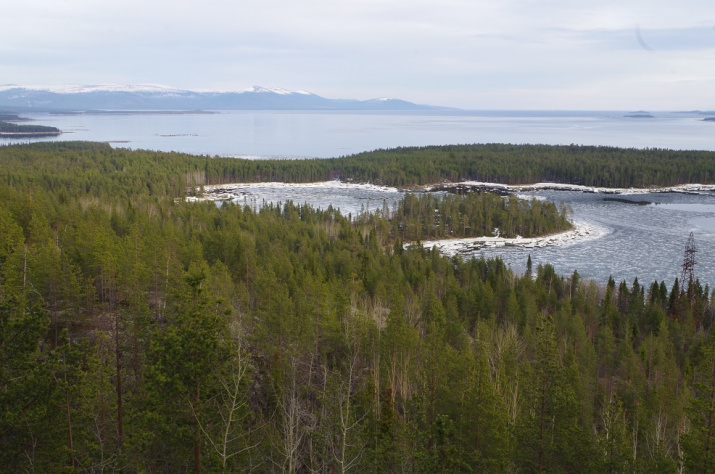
<point x="632" y="235"/>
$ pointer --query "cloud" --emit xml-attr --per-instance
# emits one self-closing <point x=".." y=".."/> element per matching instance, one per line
<point x="469" y="53"/>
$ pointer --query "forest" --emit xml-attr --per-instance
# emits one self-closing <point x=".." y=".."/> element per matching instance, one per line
<point x="140" y="332"/>
<point x="432" y="216"/>
<point x="166" y="173"/>
<point x="10" y="129"/>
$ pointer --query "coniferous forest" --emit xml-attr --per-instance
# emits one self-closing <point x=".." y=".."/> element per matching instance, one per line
<point x="140" y="332"/>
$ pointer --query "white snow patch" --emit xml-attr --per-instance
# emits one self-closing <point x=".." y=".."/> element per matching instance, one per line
<point x="683" y="188"/>
<point x="153" y="88"/>
<point x="83" y="89"/>
<point x="225" y="192"/>
<point x="275" y="90"/>
<point x="528" y="197"/>
<point x="581" y="232"/>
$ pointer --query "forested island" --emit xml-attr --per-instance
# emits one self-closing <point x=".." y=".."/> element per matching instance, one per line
<point x="13" y="130"/>
<point x="144" y="333"/>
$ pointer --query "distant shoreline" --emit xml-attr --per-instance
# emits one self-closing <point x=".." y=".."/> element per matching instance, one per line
<point x="227" y="191"/>
<point x="133" y="112"/>
<point x="29" y="134"/>
<point x="10" y="129"/>
<point x="503" y="189"/>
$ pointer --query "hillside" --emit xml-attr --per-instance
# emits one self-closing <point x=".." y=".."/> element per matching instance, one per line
<point x="121" y="97"/>
<point x="140" y="332"/>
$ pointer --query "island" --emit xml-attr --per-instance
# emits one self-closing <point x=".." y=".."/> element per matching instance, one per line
<point x="13" y="130"/>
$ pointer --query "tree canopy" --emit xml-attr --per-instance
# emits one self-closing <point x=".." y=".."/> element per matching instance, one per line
<point x="143" y="333"/>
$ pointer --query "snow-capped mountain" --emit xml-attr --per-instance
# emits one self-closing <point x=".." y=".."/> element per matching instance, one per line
<point x="154" y="97"/>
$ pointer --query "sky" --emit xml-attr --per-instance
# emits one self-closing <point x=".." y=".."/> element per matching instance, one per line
<point x="471" y="54"/>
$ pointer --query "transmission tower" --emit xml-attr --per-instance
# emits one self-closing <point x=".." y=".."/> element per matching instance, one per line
<point x="688" y="264"/>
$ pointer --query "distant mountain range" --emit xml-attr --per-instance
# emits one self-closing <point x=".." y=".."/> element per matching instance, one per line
<point x="157" y="98"/>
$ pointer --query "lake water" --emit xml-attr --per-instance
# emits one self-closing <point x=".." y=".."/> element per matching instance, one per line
<point x="636" y="240"/>
<point x="631" y="240"/>
<point x="289" y="134"/>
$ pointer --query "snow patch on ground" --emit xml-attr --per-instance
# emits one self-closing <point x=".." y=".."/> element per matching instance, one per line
<point x="528" y="197"/>
<point x="683" y="188"/>
<point x="581" y="232"/>
<point x="227" y="192"/>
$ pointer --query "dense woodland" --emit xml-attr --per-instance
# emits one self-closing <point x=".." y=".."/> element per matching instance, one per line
<point x="143" y="333"/>
<point x="419" y="217"/>
<point x="165" y="173"/>
<point x="7" y="127"/>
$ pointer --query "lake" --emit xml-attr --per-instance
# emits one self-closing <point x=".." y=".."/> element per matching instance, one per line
<point x="261" y="134"/>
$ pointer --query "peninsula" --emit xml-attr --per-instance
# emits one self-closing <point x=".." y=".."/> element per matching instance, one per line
<point x="13" y="130"/>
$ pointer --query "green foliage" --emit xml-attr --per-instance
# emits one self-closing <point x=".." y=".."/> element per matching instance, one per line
<point x="12" y="128"/>
<point x="95" y="169"/>
<point x="429" y="216"/>
<point x="698" y="442"/>
<point x="142" y="333"/>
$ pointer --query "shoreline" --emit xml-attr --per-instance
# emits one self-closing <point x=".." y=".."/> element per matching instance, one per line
<point x="217" y="192"/>
<point x="229" y="191"/>
<point x="29" y="134"/>
<point x="498" y="188"/>
<point x="580" y="232"/>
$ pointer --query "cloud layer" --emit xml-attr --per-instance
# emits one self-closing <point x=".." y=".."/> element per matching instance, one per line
<point x="515" y="54"/>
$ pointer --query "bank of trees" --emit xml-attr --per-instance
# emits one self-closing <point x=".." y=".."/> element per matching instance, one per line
<point x="442" y="216"/>
<point x="142" y="333"/>
<point x="113" y="170"/>
<point x="8" y="127"/>
<point x="508" y="164"/>
<point x="524" y="164"/>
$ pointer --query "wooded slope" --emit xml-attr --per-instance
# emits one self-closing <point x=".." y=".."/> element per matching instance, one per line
<point x="142" y="333"/>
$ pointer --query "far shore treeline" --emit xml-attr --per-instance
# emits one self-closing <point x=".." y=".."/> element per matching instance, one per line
<point x="164" y="173"/>
<point x="12" y="130"/>
<point x="140" y="332"/>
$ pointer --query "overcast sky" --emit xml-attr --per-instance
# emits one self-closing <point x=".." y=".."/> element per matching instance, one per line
<point x="475" y="54"/>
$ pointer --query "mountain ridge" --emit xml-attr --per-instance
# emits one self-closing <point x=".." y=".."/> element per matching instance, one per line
<point x="123" y="97"/>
